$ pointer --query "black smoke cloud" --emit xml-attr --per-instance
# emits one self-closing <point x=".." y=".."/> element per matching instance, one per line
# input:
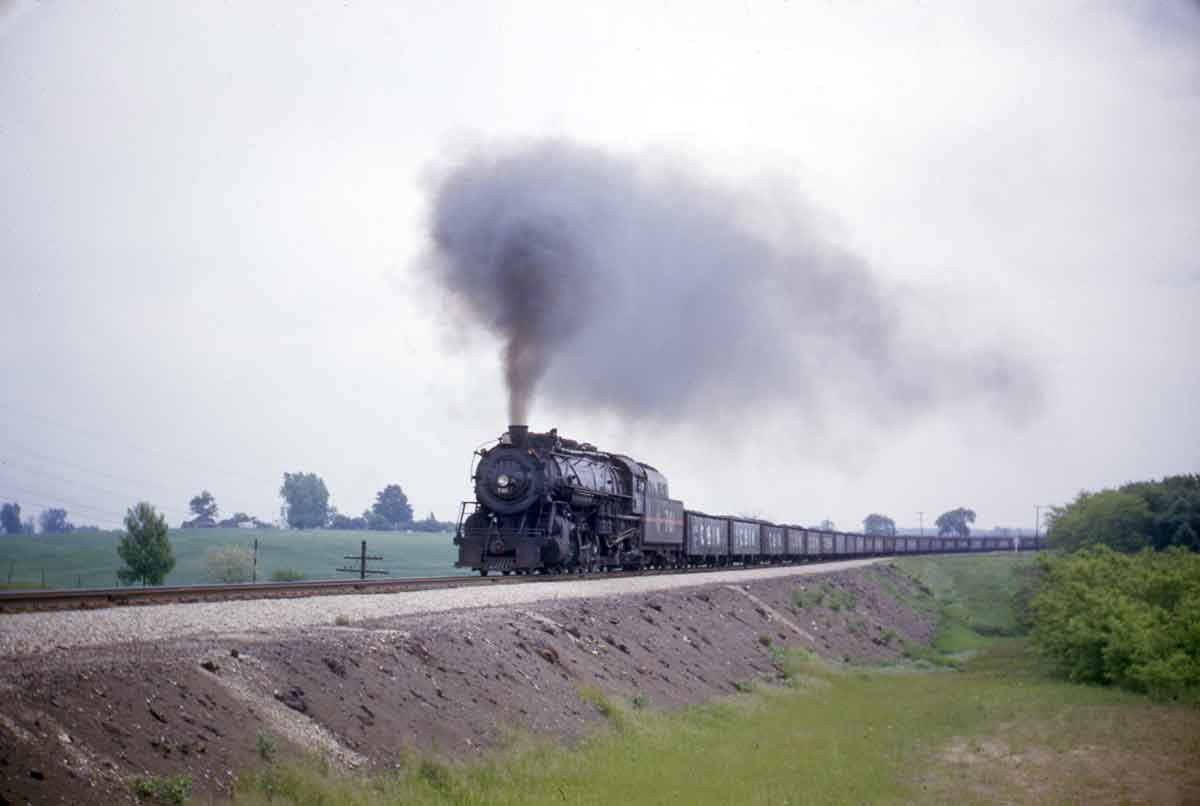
<point x="644" y="291"/>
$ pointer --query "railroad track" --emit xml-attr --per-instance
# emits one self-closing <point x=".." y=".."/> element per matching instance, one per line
<point x="40" y="600"/>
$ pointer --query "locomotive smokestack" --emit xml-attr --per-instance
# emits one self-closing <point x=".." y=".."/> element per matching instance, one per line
<point x="518" y="434"/>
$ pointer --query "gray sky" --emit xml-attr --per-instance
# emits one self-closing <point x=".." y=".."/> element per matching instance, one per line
<point x="212" y="213"/>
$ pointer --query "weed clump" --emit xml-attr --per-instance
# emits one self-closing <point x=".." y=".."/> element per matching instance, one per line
<point x="170" y="790"/>
<point x="266" y="746"/>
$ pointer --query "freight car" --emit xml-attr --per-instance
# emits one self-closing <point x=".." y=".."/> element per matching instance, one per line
<point x="547" y="504"/>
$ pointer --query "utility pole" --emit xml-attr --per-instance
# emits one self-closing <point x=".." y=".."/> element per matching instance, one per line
<point x="1037" y="518"/>
<point x="362" y="558"/>
<point x="921" y="515"/>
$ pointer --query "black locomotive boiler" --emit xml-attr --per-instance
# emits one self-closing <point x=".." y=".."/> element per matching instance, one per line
<point x="552" y="505"/>
<point x="545" y="503"/>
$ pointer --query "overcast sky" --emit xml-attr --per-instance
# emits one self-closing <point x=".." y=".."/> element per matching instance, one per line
<point x="211" y="216"/>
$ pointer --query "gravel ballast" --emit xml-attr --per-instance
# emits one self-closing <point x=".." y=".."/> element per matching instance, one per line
<point x="37" y="633"/>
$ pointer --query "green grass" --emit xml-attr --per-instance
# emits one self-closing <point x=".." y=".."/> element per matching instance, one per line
<point x="976" y="590"/>
<point x="90" y="559"/>
<point x="973" y="596"/>
<point x="837" y="735"/>
<point x="980" y="729"/>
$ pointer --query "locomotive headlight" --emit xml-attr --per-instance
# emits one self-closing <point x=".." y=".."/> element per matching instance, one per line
<point x="503" y="481"/>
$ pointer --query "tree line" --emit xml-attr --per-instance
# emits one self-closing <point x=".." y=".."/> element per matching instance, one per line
<point x="1139" y="515"/>
<point x="305" y="506"/>
<point x="952" y="523"/>
<point x="51" y="521"/>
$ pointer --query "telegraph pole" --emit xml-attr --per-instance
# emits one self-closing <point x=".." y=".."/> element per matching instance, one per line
<point x="1037" y="518"/>
<point x="921" y="515"/>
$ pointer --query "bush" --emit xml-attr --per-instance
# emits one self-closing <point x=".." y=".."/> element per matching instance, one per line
<point x="229" y="564"/>
<point x="1127" y="620"/>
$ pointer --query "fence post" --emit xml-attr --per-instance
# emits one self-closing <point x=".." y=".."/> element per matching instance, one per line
<point x="254" y="575"/>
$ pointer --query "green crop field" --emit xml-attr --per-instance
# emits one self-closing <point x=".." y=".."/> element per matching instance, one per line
<point x="90" y="559"/>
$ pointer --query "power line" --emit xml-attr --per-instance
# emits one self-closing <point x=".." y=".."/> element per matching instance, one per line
<point x="52" y="477"/>
<point x="149" y="451"/>
<point x="174" y="490"/>
<point x="44" y="458"/>
<point x="106" y="517"/>
<point x="124" y="495"/>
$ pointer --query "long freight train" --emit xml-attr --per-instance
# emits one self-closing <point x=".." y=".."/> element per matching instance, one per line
<point x="548" y="504"/>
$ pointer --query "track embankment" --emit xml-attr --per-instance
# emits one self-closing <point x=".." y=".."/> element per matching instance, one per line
<point x="93" y="698"/>
<point x="32" y="633"/>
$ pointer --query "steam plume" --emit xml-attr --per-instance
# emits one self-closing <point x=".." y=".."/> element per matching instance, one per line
<point x="629" y="288"/>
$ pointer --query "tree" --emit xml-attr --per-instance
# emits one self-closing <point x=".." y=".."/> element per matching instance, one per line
<point x="955" y="522"/>
<point x="391" y="504"/>
<point x="876" y="524"/>
<point x="1174" y="505"/>
<point x="306" y="500"/>
<point x="825" y="525"/>
<point x="10" y="518"/>
<point x="54" y="521"/>
<point x="145" y="547"/>
<point x="204" y="507"/>
<point x="1120" y="520"/>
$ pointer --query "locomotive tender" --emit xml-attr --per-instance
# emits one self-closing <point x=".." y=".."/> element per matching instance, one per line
<point x="547" y="504"/>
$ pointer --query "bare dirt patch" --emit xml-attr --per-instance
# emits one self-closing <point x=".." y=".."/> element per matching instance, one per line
<point x="78" y="724"/>
<point x="998" y="769"/>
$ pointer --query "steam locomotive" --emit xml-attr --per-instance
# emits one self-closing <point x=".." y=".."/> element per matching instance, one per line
<point x="547" y="504"/>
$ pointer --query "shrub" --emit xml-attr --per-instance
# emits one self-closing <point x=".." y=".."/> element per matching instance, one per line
<point x="229" y="564"/>
<point x="342" y="621"/>
<point x="287" y="575"/>
<point x="1127" y="620"/>
<point x="640" y="701"/>
<point x="173" y="790"/>
<point x="266" y="746"/>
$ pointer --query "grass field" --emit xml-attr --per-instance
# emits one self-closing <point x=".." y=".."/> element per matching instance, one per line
<point x="998" y="731"/>
<point x="90" y="559"/>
